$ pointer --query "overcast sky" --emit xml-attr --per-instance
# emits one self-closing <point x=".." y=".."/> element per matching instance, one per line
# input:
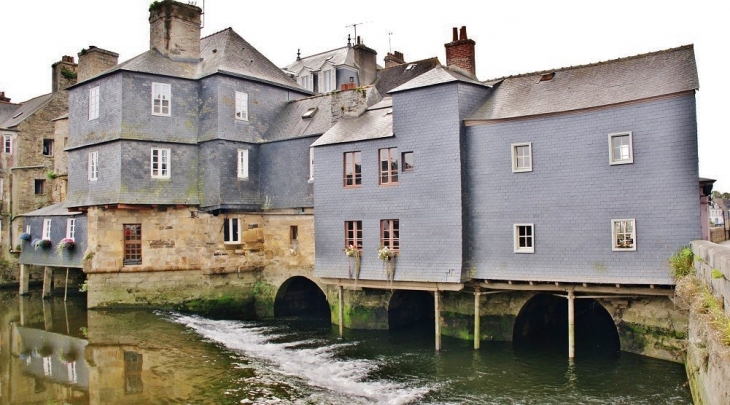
<point x="511" y="37"/>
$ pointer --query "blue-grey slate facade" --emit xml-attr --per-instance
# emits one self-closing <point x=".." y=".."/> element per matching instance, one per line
<point x="49" y="256"/>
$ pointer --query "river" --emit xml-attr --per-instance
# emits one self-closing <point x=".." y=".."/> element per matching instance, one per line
<point x="56" y="352"/>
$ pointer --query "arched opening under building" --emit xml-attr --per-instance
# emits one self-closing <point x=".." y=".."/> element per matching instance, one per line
<point x="543" y="322"/>
<point x="408" y="309"/>
<point x="301" y="297"/>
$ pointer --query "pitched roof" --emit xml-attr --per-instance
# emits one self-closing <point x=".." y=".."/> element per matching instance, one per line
<point x="55" y="210"/>
<point x="26" y="109"/>
<point x="338" y="57"/>
<point x="221" y="52"/>
<point x="604" y="83"/>
<point x="376" y="122"/>
<point x="394" y="76"/>
<point x="290" y="123"/>
<point x="7" y="110"/>
<point x="438" y="75"/>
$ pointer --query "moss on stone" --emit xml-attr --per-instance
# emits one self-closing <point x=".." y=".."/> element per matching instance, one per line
<point x="222" y="307"/>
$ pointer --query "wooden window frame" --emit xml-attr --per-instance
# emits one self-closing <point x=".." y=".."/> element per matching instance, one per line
<point x="132" y="237"/>
<point x="353" y="234"/>
<point x="356" y="176"/>
<point x="39" y="186"/>
<point x="390" y="234"/>
<point x="47" y="147"/>
<point x="388" y="166"/>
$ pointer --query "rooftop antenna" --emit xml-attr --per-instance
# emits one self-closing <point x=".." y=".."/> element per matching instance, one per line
<point x="354" y="26"/>
<point x="202" y="14"/>
<point x="390" y="49"/>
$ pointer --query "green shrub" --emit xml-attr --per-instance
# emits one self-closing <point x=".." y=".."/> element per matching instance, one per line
<point x="682" y="263"/>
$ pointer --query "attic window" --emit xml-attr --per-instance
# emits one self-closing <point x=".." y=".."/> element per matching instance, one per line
<point x="547" y="76"/>
<point x="410" y="66"/>
<point x="18" y="115"/>
<point x="310" y="113"/>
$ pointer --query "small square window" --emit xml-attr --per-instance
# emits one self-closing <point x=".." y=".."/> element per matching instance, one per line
<point x="161" y="97"/>
<point x="293" y="233"/>
<point x="407" y="158"/>
<point x="620" y="148"/>
<point x="7" y="144"/>
<point x="48" y="147"/>
<point x="623" y="232"/>
<point x="522" y="157"/>
<point x="160" y="163"/>
<point x="231" y="231"/>
<point x="93" y="103"/>
<point x="40" y="186"/>
<point x="241" y="106"/>
<point x="388" y="166"/>
<point x="353" y="169"/>
<point x="242" y="165"/>
<point x="524" y="238"/>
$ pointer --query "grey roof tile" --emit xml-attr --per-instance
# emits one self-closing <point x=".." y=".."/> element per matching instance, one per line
<point x="7" y="110"/>
<point x="373" y="124"/>
<point x="26" y="109"/>
<point x="290" y="124"/>
<point x="338" y="57"/>
<point x="605" y="83"/>
<point x="438" y="75"/>
<point x="55" y="210"/>
<point x="392" y="77"/>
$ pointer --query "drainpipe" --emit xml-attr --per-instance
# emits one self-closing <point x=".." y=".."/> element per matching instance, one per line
<point x="10" y="202"/>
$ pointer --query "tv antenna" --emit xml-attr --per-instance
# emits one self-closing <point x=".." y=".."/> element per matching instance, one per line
<point x="355" y="27"/>
<point x="390" y="49"/>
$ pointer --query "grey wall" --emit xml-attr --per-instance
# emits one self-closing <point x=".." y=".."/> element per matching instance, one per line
<point x="573" y="193"/>
<point x="48" y="256"/>
<point x="220" y="185"/>
<point x="105" y="190"/>
<point x="344" y="74"/>
<point x="285" y="173"/>
<point x="427" y="201"/>
<point x="109" y="124"/>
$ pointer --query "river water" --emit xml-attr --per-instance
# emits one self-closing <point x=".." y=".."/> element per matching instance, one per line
<point x="51" y="352"/>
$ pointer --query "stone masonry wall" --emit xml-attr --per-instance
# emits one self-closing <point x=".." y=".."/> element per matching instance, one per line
<point x="717" y="234"/>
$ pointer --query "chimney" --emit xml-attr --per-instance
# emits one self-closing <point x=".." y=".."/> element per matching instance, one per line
<point x="64" y="73"/>
<point x="460" y="52"/>
<point x="365" y="59"/>
<point x="93" y="61"/>
<point x="394" y="59"/>
<point x="3" y="99"/>
<point x="175" y="29"/>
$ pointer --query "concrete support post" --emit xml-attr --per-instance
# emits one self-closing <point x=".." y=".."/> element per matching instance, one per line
<point x="47" y="315"/>
<point x="65" y="287"/>
<point x="477" y="319"/>
<point x="47" y="281"/>
<point x="23" y="308"/>
<point x="341" y="310"/>
<point x="24" y="279"/>
<point x="437" y="310"/>
<point x="571" y="324"/>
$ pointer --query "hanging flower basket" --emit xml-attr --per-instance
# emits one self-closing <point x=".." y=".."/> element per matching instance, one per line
<point x="65" y="244"/>
<point x="387" y="255"/>
<point x="25" y="236"/>
<point x="353" y="253"/>
<point x="41" y="244"/>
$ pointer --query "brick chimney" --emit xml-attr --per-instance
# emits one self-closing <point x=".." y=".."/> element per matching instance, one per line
<point x="394" y="59"/>
<point x="365" y="58"/>
<point x="64" y="73"/>
<point x="175" y="29"/>
<point x="3" y="99"/>
<point x="460" y="52"/>
<point x="93" y="61"/>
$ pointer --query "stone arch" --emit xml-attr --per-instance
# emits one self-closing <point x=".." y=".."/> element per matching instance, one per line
<point x="410" y="308"/>
<point x="543" y="321"/>
<point x="301" y="297"/>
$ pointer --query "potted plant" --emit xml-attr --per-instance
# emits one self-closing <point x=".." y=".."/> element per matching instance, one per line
<point x="41" y="244"/>
<point x="65" y="244"/>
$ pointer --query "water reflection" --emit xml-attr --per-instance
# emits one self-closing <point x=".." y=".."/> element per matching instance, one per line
<point x="51" y="352"/>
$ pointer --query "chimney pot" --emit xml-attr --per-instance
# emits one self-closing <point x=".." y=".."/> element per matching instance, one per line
<point x="455" y="34"/>
<point x="460" y="52"/>
<point x="463" y="33"/>
<point x="3" y="99"/>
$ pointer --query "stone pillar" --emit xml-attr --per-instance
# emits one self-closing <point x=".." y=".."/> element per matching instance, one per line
<point x="24" y="279"/>
<point x="571" y="324"/>
<point x="477" y="319"/>
<point x="47" y="281"/>
<point x="437" y="321"/>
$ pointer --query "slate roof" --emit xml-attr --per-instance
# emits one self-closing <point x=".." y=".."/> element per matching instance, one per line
<point x="599" y="84"/>
<point x="6" y="111"/>
<point x="55" y="210"/>
<point x="289" y="123"/>
<point x="438" y="75"/>
<point x="222" y="52"/>
<point x="392" y="77"/>
<point x="338" y="57"/>
<point x="25" y="110"/>
<point x="376" y="122"/>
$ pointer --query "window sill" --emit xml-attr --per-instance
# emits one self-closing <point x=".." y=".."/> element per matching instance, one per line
<point x="615" y="249"/>
<point x="389" y="185"/>
<point x="232" y="243"/>
<point x="161" y="115"/>
<point x="525" y="251"/>
<point x="621" y="162"/>
<point x="352" y="187"/>
<point x="521" y="170"/>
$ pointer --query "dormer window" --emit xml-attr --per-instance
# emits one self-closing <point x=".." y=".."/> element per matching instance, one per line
<point x="329" y="80"/>
<point x="306" y="82"/>
<point x="547" y="76"/>
<point x="310" y="113"/>
<point x="410" y="66"/>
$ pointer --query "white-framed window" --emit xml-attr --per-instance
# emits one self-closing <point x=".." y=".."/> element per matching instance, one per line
<point x="522" y="157"/>
<point x="231" y="230"/>
<point x="311" y="164"/>
<point x="7" y="144"/>
<point x="160" y="163"/>
<point x="93" y="166"/>
<point x="161" y="97"/>
<point x="27" y="229"/>
<point x="46" y="228"/>
<point x="621" y="150"/>
<point x="524" y="238"/>
<point x="328" y="80"/>
<point x="241" y="106"/>
<point x="306" y="82"/>
<point x="242" y="163"/>
<point x="93" y="103"/>
<point x="623" y="235"/>
<point x="71" y="228"/>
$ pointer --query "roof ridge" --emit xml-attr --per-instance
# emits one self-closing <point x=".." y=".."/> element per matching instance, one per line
<point x="638" y="56"/>
<point x="34" y="98"/>
<point x="321" y="53"/>
<point x="415" y="61"/>
<point x="217" y="32"/>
